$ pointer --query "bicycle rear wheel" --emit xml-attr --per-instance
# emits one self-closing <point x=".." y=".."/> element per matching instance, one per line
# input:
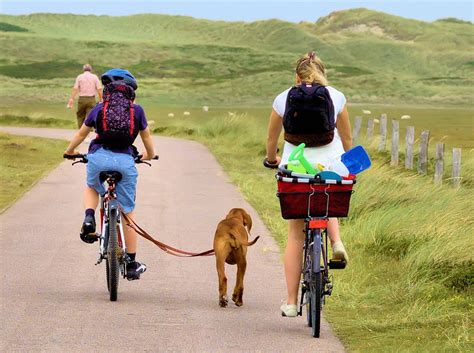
<point x="315" y="300"/>
<point x="112" y="268"/>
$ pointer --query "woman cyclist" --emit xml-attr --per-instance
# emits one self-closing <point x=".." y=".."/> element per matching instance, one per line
<point x="113" y="149"/>
<point x="310" y="71"/>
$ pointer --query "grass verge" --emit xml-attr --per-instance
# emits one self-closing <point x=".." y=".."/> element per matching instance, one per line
<point x="23" y="161"/>
<point x="15" y="120"/>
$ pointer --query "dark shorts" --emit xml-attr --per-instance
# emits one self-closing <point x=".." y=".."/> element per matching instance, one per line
<point x="84" y="106"/>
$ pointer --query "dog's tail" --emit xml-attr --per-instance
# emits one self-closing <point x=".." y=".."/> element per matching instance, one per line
<point x="252" y="242"/>
<point x="238" y="235"/>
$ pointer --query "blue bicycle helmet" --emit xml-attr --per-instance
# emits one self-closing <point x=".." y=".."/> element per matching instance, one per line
<point x="119" y="75"/>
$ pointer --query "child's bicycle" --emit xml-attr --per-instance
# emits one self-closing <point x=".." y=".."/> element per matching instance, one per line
<point x="111" y="237"/>
<point x="308" y="197"/>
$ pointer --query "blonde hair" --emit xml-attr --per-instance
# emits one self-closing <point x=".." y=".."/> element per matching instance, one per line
<point x="310" y="69"/>
<point x="87" y="67"/>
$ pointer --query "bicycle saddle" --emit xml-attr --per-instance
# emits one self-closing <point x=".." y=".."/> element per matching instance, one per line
<point x="116" y="176"/>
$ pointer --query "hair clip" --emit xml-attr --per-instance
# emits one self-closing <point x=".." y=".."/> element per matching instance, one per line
<point x="311" y="55"/>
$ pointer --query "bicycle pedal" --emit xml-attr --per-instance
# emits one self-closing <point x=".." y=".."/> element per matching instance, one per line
<point x="337" y="264"/>
<point x="99" y="260"/>
<point x="133" y="278"/>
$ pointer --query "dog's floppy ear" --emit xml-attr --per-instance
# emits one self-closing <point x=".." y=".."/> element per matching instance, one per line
<point x="247" y="220"/>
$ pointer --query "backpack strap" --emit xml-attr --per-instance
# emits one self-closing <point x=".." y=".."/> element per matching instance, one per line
<point x="132" y="118"/>
<point x="104" y="113"/>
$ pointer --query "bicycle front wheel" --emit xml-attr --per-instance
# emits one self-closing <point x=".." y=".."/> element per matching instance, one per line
<point x="309" y="317"/>
<point x="112" y="268"/>
<point x="315" y="303"/>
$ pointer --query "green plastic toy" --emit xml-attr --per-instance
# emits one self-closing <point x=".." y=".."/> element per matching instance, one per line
<point x="296" y="167"/>
<point x="297" y="155"/>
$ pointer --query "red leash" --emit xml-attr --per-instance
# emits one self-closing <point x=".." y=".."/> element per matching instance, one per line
<point x="166" y="248"/>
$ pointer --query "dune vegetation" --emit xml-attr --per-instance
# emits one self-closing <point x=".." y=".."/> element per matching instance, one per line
<point x="374" y="57"/>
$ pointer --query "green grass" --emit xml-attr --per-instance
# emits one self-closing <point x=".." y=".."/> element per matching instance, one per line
<point x="14" y="120"/>
<point x="6" y="27"/>
<point x="23" y="161"/>
<point x="452" y="126"/>
<point x="410" y="283"/>
<point x="42" y="70"/>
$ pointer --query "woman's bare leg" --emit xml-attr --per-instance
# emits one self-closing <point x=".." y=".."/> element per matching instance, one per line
<point x="333" y="230"/>
<point x="293" y="258"/>
<point x="338" y="250"/>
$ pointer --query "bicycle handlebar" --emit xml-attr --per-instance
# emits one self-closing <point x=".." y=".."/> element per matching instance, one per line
<point x="138" y="159"/>
<point x="269" y="165"/>
<point x="74" y="156"/>
<point x="83" y="158"/>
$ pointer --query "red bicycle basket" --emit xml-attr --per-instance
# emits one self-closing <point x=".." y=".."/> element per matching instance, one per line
<point x="301" y="200"/>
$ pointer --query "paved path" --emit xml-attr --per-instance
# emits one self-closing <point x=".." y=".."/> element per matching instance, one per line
<point x="54" y="299"/>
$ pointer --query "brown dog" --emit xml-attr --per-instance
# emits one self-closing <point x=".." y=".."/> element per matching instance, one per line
<point x="230" y="246"/>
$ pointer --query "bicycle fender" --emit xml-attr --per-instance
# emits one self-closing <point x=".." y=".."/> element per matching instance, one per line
<point x="317" y="251"/>
<point x="114" y="205"/>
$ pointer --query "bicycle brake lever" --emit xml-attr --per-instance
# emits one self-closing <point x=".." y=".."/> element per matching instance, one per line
<point x="76" y="162"/>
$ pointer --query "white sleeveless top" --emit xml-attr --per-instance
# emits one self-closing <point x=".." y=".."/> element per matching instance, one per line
<point x="322" y="154"/>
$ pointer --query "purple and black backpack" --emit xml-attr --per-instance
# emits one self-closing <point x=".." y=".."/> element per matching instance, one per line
<point x="116" y="125"/>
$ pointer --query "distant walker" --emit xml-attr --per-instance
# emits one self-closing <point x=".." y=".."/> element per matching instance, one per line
<point x="87" y="85"/>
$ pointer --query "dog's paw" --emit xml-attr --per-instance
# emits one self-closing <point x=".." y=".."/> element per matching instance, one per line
<point x="223" y="302"/>
<point x="237" y="299"/>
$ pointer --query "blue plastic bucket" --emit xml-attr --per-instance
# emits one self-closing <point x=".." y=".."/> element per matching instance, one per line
<point x="356" y="160"/>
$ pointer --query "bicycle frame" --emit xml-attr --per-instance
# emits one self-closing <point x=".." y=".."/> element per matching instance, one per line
<point x="316" y="283"/>
<point x="318" y="227"/>
<point x="110" y="204"/>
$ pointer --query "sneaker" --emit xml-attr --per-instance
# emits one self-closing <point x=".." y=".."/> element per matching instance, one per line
<point x="134" y="269"/>
<point x="339" y="252"/>
<point x="88" y="234"/>
<point x="289" y="310"/>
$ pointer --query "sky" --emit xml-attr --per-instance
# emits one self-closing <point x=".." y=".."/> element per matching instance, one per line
<point x="245" y="10"/>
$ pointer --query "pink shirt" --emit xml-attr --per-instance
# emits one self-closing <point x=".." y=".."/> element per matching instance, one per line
<point x="87" y="84"/>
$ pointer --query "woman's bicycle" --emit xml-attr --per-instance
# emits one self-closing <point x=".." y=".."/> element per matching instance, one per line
<point x="111" y="237"/>
<point x="309" y="197"/>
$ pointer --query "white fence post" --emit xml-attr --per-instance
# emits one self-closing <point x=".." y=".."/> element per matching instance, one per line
<point x="439" y="166"/>
<point x="423" y="156"/>
<point x="456" y="174"/>
<point x="395" y="140"/>
<point x="410" y="140"/>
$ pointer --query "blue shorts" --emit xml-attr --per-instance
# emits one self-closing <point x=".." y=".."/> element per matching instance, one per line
<point x="105" y="160"/>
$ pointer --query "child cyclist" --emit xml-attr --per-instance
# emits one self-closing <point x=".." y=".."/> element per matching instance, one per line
<point x="118" y="121"/>
<point x="314" y="113"/>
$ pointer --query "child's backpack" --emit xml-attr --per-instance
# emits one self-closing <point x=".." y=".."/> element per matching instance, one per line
<point x="116" y="123"/>
<point x="309" y="116"/>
